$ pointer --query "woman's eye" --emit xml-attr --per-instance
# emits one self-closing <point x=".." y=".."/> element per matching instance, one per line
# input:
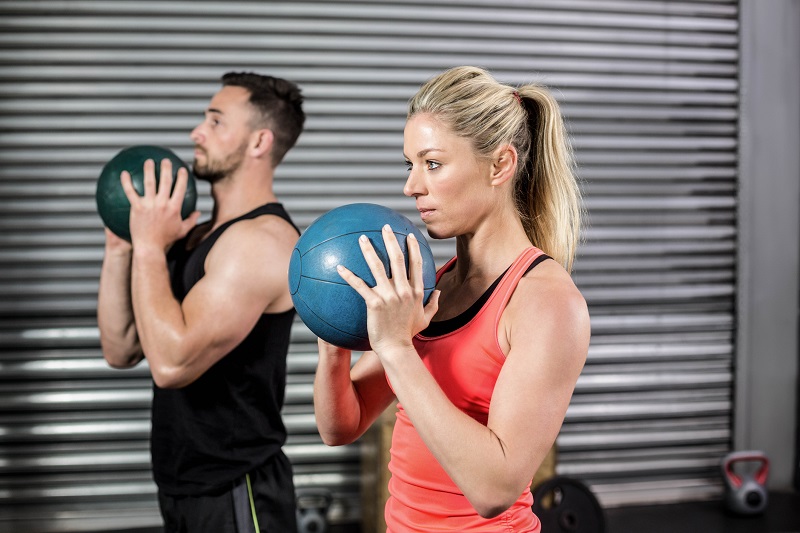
<point x="409" y="166"/>
<point x="433" y="165"/>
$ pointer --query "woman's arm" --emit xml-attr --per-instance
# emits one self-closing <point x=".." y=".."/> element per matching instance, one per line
<point x="545" y="333"/>
<point x="546" y="336"/>
<point x="347" y="402"/>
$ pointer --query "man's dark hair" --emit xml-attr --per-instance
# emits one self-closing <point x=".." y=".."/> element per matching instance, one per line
<point x="280" y="105"/>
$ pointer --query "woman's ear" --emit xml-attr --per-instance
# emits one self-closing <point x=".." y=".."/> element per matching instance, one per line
<point x="261" y="142"/>
<point x="504" y="164"/>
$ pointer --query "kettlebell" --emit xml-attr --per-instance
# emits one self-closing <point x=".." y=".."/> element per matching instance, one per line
<point x="312" y="510"/>
<point x="745" y="486"/>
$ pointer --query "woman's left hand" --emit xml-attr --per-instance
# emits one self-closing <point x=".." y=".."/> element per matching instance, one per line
<point x="395" y="312"/>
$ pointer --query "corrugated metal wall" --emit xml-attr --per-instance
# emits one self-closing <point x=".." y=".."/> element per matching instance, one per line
<point x="649" y="89"/>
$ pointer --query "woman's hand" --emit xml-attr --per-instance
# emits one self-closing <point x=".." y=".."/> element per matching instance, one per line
<point x="395" y="312"/>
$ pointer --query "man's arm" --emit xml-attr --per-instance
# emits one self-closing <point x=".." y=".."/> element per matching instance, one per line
<point x="246" y="276"/>
<point x="118" y="338"/>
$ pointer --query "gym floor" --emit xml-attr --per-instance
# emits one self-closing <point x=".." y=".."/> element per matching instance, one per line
<point x="782" y="516"/>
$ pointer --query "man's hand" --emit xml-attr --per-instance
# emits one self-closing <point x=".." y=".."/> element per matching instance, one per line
<point x="155" y="219"/>
<point x="116" y="245"/>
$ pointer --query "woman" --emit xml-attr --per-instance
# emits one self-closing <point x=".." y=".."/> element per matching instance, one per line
<point x="483" y="374"/>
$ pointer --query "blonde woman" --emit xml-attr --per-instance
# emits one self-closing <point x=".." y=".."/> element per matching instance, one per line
<point x="483" y="374"/>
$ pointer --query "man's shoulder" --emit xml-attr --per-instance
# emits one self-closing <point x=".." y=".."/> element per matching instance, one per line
<point x="268" y="240"/>
<point x="266" y="228"/>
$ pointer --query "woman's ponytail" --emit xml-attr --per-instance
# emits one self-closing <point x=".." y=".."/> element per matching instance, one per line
<point x="547" y="193"/>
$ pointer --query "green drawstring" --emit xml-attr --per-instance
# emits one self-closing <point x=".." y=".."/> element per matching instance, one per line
<point x="252" y="503"/>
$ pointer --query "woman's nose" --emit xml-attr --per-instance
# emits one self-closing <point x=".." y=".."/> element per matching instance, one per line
<point x="412" y="186"/>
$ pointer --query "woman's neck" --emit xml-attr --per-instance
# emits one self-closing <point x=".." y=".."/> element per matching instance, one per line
<point x="488" y="252"/>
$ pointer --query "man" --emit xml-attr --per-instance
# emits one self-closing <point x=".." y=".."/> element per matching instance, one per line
<point x="209" y="306"/>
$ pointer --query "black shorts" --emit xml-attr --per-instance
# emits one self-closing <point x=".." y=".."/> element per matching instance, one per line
<point x="264" y="497"/>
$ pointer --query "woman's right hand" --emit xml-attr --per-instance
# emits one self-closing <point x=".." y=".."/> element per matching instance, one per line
<point x="395" y="305"/>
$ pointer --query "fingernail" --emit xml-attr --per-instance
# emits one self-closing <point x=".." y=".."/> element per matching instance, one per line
<point x="387" y="227"/>
<point x="412" y="236"/>
<point x="339" y="268"/>
<point x="363" y="238"/>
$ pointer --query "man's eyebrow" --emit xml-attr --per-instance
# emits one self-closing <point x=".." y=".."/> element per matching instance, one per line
<point x="214" y="110"/>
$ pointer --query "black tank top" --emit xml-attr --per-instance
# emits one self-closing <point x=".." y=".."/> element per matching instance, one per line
<point x="210" y="433"/>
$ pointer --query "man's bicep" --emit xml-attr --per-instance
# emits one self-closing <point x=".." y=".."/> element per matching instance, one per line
<point x="221" y="310"/>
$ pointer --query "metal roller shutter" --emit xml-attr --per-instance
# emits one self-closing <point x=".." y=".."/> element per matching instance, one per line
<point x="649" y="89"/>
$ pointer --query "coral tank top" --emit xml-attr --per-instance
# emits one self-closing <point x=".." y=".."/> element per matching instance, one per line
<point x="465" y="362"/>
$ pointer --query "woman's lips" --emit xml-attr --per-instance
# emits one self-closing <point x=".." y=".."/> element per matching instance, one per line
<point x="425" y="213"/>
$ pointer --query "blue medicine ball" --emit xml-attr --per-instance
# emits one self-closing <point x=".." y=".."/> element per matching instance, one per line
<point x="330" y="308"/>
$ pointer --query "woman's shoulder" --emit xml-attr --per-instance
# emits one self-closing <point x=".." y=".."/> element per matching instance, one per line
<point x="548" y="289"/>
<point x="545" y="309"/>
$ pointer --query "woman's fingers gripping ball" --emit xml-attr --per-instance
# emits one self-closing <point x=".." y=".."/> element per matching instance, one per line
<point x="395" y="311"/>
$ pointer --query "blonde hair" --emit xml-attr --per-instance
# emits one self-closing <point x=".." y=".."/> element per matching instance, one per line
<point x="475" y="106"/>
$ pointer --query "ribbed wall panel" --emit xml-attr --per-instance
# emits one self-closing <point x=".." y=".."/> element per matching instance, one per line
<point x="649" y="91"/>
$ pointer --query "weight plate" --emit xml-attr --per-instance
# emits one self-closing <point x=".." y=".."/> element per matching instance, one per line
<point x="567" y="505"/>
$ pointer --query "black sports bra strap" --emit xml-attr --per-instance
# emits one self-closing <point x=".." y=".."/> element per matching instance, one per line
<point x="442" y="327"/>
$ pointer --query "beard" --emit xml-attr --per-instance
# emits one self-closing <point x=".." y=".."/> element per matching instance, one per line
<point x="213" y="170"/>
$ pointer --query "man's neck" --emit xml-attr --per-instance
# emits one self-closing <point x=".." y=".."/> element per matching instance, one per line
<point x="237" y="195"/>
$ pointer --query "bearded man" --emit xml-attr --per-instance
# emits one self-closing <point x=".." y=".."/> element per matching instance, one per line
<point x="208" y="306"/>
